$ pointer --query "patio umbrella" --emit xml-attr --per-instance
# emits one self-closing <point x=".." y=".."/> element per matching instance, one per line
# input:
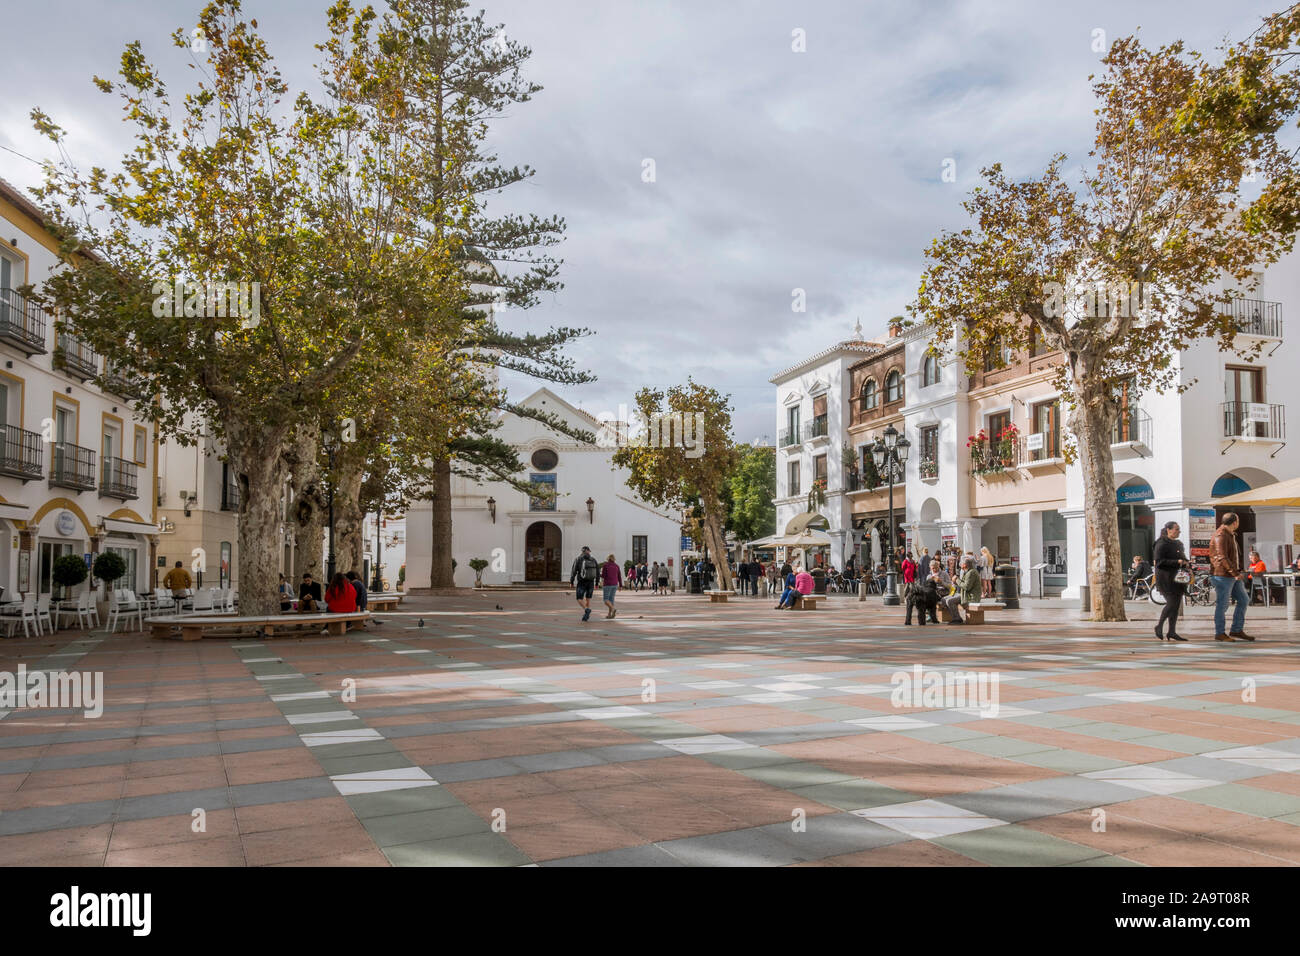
<point x="1280" y="493"/>
<point x="808" y="538"/>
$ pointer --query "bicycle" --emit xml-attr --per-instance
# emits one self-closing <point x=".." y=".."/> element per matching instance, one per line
<point x="1200" y="590"/>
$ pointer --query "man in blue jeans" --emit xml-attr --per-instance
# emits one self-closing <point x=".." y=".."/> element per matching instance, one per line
<point x="1226" y="575"/>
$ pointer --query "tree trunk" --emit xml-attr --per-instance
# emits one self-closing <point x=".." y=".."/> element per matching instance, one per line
<point x="348" y="517"/>
<point x="307" y="512"/>
<point x="1092" y="423"/>
<point x="717" y="544"/>
<point x="440" y="573"/>
<point x="262" y="471"/>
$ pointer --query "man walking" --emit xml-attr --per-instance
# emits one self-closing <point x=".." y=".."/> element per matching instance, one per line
<point x="583" y="577"/>
<point x="178" y="581"/>
<point x="1226" y="575"/>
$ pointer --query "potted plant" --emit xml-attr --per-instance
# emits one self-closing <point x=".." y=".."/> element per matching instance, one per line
<point x="68" y="571"/>
<point x="401" y="577"/>
<point x="817" y="494"/>
<point x="478" y="564"/>
<point x="108" y="567"/>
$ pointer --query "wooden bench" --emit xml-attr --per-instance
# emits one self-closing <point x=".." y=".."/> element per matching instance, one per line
<point x="198" y="626"/>
<point x="382" y="602"/>
<point x="719" y="597"/>
<point x="974" y="612"/>
<point x="806" y="602"/>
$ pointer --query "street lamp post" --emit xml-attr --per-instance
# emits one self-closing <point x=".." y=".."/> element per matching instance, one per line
<point x="330" y="449"/>
<point x="890" y="455"/>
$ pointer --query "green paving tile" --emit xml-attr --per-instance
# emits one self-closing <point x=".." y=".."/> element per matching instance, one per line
<point x="424" y="825"/>
<point x="1244" y="799"/>
<point x="946" y="734"/>
<point x="367" y="805"/>
<point x="1182" y="743"/>
<point x="1256" y="712"/>
<point x="1054" y="721"/>
<point x="359" y="748"/>
<point x="745" y="759"/>
<point x="1291" y="818"/>
<point x="1002" y="746"/>
<point x="788" y="776"/>
<point x="1016" y="846"/>
<point x="1069" y="761"/>
<point x="477" y="849"/>
<point x="384" y="761"/>
<point x="1113" y="731"/>
<point x="854" y="794"/>
<point x="839" y="712"/>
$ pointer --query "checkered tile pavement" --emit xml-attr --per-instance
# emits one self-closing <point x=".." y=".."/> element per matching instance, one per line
<point x="680" y="733"/>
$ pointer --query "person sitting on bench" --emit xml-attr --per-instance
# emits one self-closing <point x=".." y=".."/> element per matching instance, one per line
<point x="967" y="592"/>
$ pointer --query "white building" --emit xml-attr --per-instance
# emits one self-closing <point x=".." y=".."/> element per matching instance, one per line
<point x="78" y="466"/>
<point x="527" y="540"/>
<point x="389" y="536"/>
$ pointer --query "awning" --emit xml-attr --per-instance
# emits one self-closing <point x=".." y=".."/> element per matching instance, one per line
<point x="809" y="538"/>
<point x="15" y="512"/>
<point x="802" y="520"/>
<point x="1280" y="493"/>
<point x="128" y="527"/>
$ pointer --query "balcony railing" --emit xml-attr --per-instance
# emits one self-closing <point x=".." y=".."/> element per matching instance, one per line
<point x="22" y="323"/>
<point x="1257" y="317"/>
<point x="789" y="437"/>
<point x="1133" y="425"/>
<point x="816" y="428"/>
<point x="994" y="456"/>
<point x="23" y="455"/>
<point x="118" y="479"/>
<point x="1050" y="450"/>
<point x="1254" y="420"/>
<point x="75" y="356"/>
<point x="73" y="467"/>
<point x="114" y="380"/>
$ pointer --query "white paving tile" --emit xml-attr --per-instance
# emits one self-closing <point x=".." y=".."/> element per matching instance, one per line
<point x="567" y="697"/>
<point x="785" y="687"/>
<point x="305" y="695"/>
<point x="889" y="722"/>
<point x="1132" y="696"/>
<point x="713" y="684"/>
<point x="1281" y="761"/>
<point x="378" y="781"/>
<point x="278" y="676"/>
<point x="707" y="744"/>
<point x="341" y="737"/>
<point x="610" y="713"/>
<point x="321" y="717"/>
<point x="1151" y="779"/>
<point x="771" y="698"/>
<point x="928" y="819"/>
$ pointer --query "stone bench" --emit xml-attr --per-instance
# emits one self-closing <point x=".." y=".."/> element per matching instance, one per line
<point x="974" y="612"/>
<point x="807" y="602"/>
<point x="196" y="627"/>
<point x="719" y="597"/>
<point x="383" y="602"/>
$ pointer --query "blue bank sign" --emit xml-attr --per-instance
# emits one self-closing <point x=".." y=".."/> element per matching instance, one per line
<point x="1132" y="494"/>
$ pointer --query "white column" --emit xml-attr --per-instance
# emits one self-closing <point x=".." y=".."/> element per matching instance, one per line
<point x="1031" y="549"/>
<point x="516" y="550"/>
<point x="1076" y="553"/>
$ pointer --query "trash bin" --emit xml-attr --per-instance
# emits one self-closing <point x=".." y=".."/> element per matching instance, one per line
<point x="695" y="583"/>
<point x="1293" y="603"/>
<point x="1006" y="585"/>
<point x="819" y="584"/>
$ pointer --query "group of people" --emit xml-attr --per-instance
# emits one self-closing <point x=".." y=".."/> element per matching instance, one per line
<point x="926" y="585"/>
<point x="345" y="594"/>
<point x="639" y="576"/>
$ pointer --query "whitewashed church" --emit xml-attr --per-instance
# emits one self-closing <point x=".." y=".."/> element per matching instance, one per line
<point x="532" y="540"/>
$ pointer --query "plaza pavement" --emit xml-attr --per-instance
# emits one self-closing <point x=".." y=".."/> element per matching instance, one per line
<point x="518" y="736"/>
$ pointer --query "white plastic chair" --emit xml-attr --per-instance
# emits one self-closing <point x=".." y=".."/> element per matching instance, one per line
<point x="234" y="600"/>
<point x="26" y="613"/>
<point x="43" y="618"/>
<point x="124" y="606"/>
<point x="71" y="613"/>
<point x="203" y="601"/>
<point x="164" y="603"/>
<point x="87" y="611"/>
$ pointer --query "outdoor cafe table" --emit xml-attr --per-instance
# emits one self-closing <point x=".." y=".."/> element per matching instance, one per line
<point x="1285" y="579"/>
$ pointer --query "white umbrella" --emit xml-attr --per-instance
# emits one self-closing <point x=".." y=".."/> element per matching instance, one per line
<point x="808" y="538"/>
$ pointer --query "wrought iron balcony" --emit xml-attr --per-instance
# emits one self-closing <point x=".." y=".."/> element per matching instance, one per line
<point x="789" y="437"/>
<point x="76" y="357"/>
<point x="118" y="479"/>
<point x="817" y="428"/>
<point x="1254" y="420"/>
<point x="23" y="455"/>
<point x="73" y="467"/>
<point x="22" y="323"/>
<point x="1257" y="317"/>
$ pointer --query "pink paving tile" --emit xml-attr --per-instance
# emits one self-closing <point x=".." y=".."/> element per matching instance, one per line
<point x="51" y="847"/>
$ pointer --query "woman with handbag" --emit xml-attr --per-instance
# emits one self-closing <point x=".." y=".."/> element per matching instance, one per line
<point x="1172" y="577"/>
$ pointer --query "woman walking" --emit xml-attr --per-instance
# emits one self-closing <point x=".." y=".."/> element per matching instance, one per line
<point x="663" y="579"/>
<point x="1170" y="559"/>
<point x="987" y="563"/>
<point x="610" y="578"/>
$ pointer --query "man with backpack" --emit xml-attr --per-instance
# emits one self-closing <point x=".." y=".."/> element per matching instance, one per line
<point x="583" y="577"/>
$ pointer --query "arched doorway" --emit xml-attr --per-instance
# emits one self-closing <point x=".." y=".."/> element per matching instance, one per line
<point x="542" y="543"/>
<point x="1234" y="482"/>
<point x="1137" y="522"/>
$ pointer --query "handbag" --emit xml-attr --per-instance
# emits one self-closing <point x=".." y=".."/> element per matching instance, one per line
<point x="1183" y="576"/>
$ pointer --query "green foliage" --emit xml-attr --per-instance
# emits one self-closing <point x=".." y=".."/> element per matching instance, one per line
<point x="752" y="488"/>
<point x="69" y="570"/>
<point x="108" y="567"/>
<point x="478" y="564"/>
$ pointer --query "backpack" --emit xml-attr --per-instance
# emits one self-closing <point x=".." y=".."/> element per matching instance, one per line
<point x="588" y="568"/>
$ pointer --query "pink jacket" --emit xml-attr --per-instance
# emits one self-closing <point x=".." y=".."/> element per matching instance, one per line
<point x="803" y="582"/>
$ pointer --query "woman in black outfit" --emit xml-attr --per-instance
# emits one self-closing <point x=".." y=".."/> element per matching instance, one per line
<point x="1169" y="558"/>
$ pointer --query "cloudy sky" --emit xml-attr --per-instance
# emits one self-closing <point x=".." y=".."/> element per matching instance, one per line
<point x="775" y="170"/>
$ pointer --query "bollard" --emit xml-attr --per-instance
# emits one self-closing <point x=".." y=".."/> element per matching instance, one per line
<point x="1293" y="603"/>
<point x="1085" y="599"/>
